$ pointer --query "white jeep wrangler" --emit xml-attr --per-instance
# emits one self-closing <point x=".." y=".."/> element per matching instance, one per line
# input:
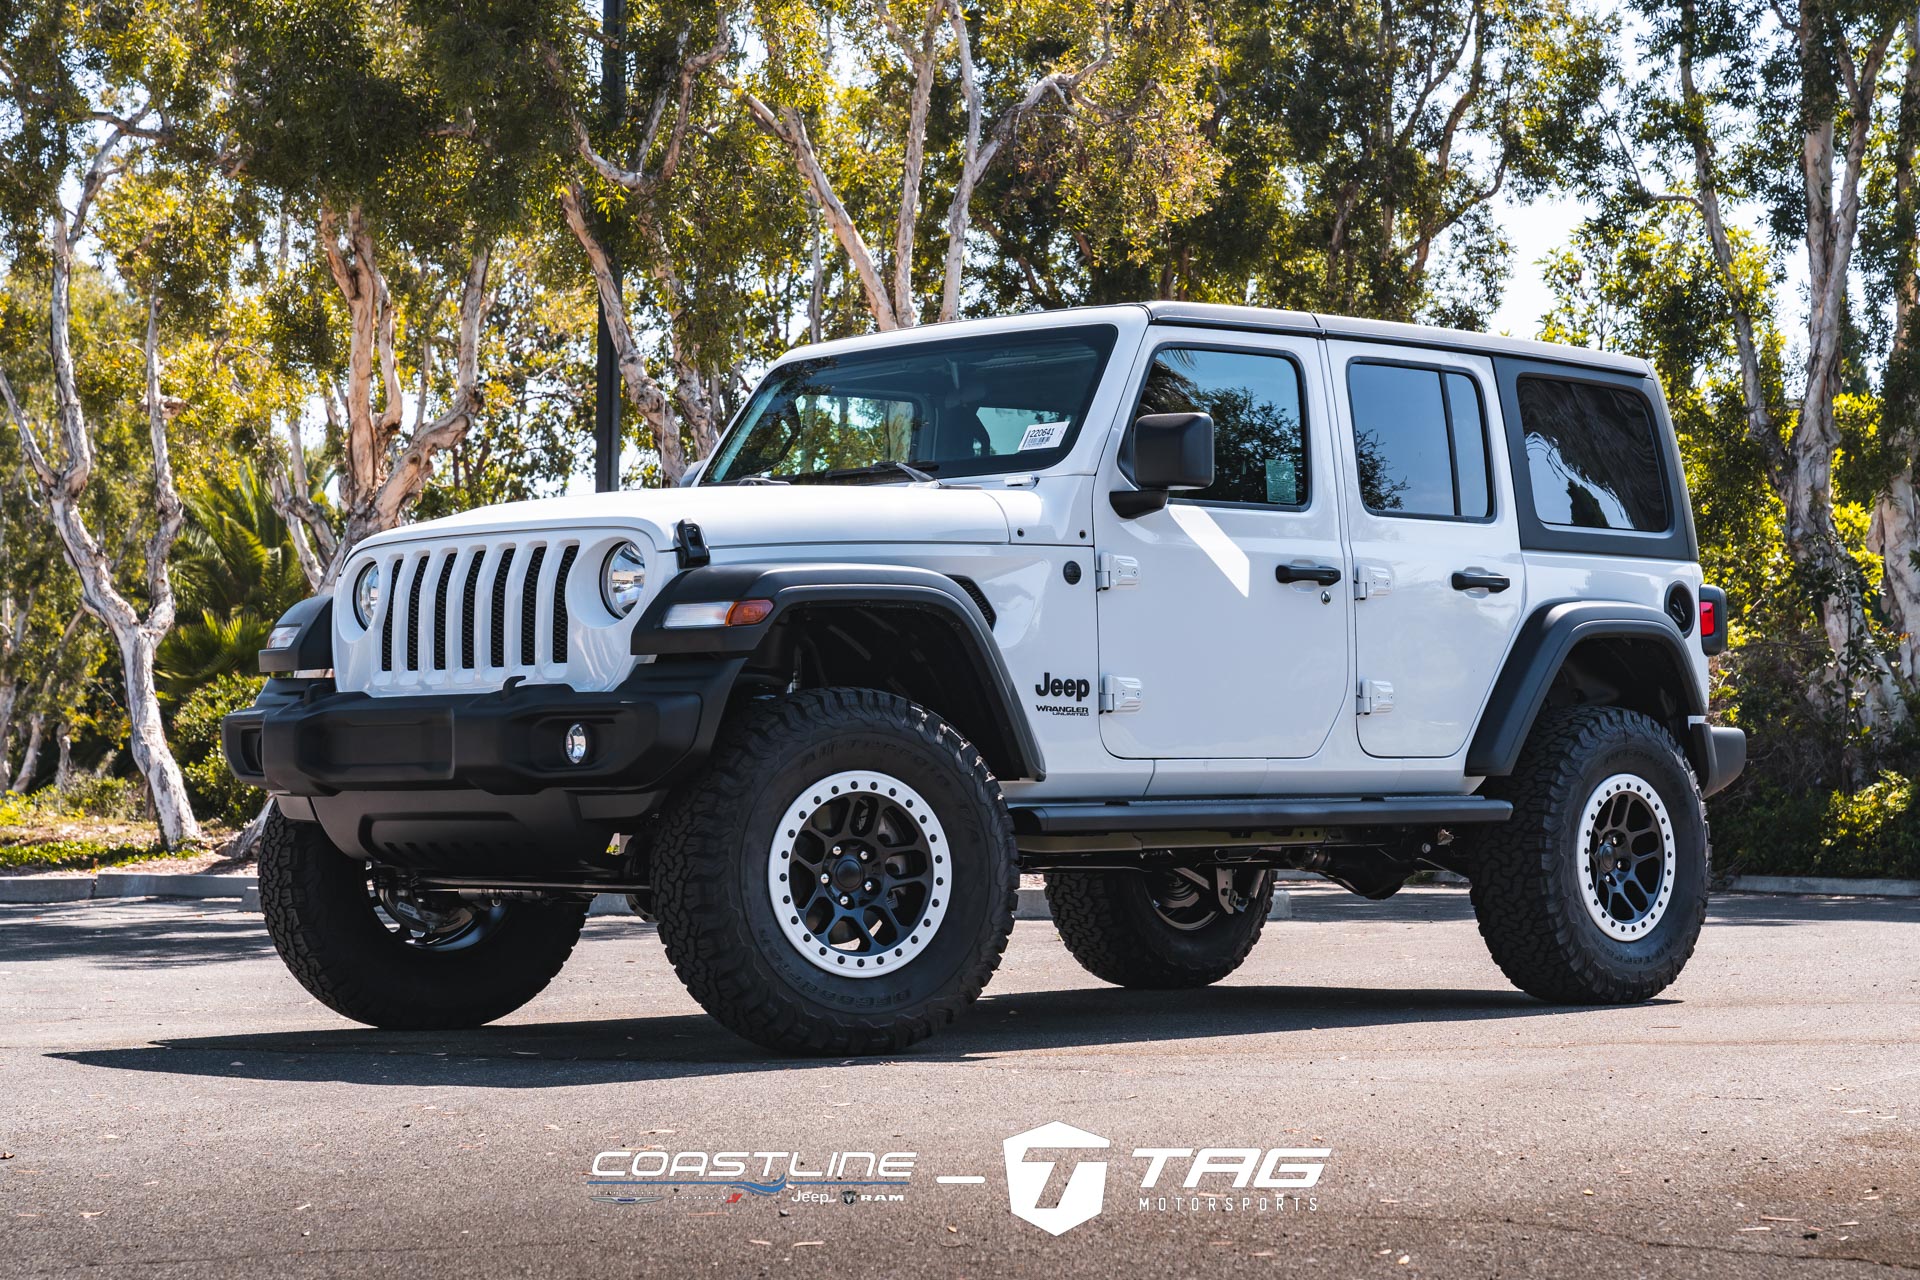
<point x="1154" y="600"/>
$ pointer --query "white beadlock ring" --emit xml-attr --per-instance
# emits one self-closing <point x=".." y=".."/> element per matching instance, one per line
<point x="1643" y="791"/>
<point x="801" y="810"/>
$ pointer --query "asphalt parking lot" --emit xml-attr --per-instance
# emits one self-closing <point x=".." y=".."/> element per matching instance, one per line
<point x="175" y="1106"/>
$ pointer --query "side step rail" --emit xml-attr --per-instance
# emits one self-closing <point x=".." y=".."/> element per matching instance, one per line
<point x="1094" y="817"/>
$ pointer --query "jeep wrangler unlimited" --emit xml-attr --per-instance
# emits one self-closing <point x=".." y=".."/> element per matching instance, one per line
<point x="1154" y="600"/>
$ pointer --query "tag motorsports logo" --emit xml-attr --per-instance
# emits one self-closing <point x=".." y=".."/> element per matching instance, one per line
<point x="1265" y="1177"/>
<point x="1039" y="1189"/>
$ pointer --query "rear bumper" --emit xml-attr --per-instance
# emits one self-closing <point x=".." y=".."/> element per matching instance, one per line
<point x="1718" y="755"/>
<point x="401" y="776"/>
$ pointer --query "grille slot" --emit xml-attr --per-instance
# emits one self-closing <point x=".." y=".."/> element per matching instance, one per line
<point x="413" y="615"/>
<point x="390" y="591"/>
<point x="470" y="610"/>
<point x="560" y="603"/>
<point x="529" y="602"/>
<point x="440" y="613"/>
<point x="497" y="654"/>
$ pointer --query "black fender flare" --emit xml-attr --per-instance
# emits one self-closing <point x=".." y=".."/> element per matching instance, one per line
<point x="312" y="647"/>
<point x="1545" y="639"/>
<point x="796" y="586"/>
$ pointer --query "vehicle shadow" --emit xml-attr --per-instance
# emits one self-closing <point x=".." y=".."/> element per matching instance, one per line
<point x="530" y="1055"/>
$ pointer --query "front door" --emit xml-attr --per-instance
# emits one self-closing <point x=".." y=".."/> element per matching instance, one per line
<point x="1223" y="618"/>
<point x="1436" y="550"/>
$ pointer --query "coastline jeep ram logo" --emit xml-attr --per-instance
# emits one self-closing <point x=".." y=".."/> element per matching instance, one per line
<point x="1062" y="688"/>
<point x="1277" y="1171"/>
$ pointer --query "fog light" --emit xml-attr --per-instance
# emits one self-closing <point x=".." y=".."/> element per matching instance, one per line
<point x="576" y="744"/>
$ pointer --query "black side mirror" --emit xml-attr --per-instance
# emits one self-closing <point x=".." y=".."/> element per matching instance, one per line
<point x="1170" y="451"/>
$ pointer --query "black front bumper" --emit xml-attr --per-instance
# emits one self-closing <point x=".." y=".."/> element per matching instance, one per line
<point x="387" y="776"/>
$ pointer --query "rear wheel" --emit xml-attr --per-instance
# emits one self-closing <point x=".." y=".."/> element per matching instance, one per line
<point x="842" y="877"/>
<point x="1594" y="892"/>
<point x="373" y="951"/>
<point x="1160" y="929"/>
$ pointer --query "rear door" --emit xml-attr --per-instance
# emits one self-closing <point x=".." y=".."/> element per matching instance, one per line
<point x="1439" y="576"/>
<point x="1228" y="610"/>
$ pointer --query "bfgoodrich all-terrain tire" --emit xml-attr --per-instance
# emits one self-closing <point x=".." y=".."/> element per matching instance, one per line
<point x="1594" y="892"/>
<point x="440" y="964"/>
<point x="842" y="877"/>
<point x="1158" y="930"/>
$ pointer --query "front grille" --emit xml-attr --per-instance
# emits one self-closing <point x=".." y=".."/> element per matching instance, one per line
<point x="485" y="612"/>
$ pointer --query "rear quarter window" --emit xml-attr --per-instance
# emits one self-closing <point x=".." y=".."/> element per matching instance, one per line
<point x="1593" y="456"/>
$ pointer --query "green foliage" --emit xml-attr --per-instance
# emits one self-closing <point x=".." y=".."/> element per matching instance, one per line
<point x="1769" y="829"/>
<point x="196" y="734"/>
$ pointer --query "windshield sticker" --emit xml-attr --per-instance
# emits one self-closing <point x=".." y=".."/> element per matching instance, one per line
<point x="1042" y="435"/>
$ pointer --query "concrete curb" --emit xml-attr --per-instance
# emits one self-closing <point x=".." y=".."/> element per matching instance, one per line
<point x="120" y="884"/>
<point x="1033" y="902"/>
<point x="1825" y="886"/>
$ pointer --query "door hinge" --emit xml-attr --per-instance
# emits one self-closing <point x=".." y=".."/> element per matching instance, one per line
<point x="1371" y="580"/>
<point x="1375" y="697"/>
<point x="1111" y="571"/>
<point x="1119" y="693"/>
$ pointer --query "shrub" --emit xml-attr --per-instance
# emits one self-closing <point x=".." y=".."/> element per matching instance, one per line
<point x="216" y="793"/>
<point x="1765" y="829"/>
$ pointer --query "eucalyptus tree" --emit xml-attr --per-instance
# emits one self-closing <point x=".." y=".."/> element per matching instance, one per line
<point x="1780" y="104"/>
<point x="939" y="99"/>
<point x="1360" y="153"/>
<point x="401" y="139"/>
<point x="106" y="149"/>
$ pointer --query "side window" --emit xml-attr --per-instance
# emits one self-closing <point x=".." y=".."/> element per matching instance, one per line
<point x="1593" y="457"/>
<point x="1259" y="431"/>
<point x="1420" y="439"/>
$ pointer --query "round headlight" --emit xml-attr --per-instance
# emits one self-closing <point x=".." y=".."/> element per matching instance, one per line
<point x="624" y="579"/>
<point x="366" y="594"/>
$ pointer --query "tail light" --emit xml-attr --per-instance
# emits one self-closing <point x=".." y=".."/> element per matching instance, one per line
<point x="1713" y="620"/>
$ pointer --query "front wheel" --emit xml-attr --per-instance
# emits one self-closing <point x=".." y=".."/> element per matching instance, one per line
<point x="373" y="951"/>
<point x="1161" y="929"/>
<point x="1595" y="890"/>
<point x="841" y="879"/>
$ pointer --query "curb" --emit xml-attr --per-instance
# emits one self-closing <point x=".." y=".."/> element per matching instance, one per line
<point x="1033" y="905"/>
<point x="1825" y="886"/>
<point x="118" y="884"/>
<point x="1033" y="902"/>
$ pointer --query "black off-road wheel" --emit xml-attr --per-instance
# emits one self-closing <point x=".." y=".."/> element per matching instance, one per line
<point x="840" y="879"/>
<point x="1595" y="890"/>
<point x="379" y="955"/>
<point x="1159" y="930"/>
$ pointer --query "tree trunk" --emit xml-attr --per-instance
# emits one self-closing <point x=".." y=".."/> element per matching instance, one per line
<point x="30" y="761"/>
<point x="1894" y="534"/>
<point x="376" y="492"/>
<point x="63" y="760"/>
<point x="1801" y="470"/>
<point x="63" y="489"/>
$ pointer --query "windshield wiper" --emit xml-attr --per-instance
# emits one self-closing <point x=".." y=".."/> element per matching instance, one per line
<point x="762" y="479"/>
<point x="872" y="471"/>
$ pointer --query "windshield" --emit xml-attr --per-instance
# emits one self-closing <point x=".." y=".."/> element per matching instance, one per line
<point x="965" y="406"/>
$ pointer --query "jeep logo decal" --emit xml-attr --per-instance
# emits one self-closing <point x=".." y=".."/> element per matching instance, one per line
<point x="1052" y="686"/>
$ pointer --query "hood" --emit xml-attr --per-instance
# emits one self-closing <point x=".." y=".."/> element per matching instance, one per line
<point x="749" y="515"/>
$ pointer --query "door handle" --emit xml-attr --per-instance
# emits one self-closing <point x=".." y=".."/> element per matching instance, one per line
<point x="1324" y="574"/>
<point x="1480" y="579"/>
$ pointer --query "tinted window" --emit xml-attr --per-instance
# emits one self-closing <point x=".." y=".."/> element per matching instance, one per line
<point x="959" y="407"/>
<point x="1592" y="456"/>
<point x="1420" y="440"/>
<point x="1259" y="437"/>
